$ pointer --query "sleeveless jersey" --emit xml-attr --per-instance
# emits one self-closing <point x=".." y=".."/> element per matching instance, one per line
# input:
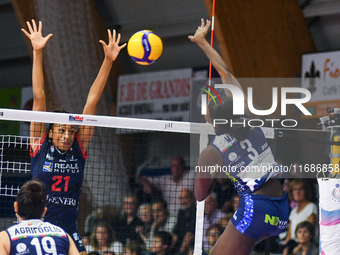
<point x="62" y="174"/>
<point x="248" y="163"/>
<point x="35" y="237"/>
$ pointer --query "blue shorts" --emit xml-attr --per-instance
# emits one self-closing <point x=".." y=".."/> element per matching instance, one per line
<point x="70" y="226"/>
<point x="259" y="215"/>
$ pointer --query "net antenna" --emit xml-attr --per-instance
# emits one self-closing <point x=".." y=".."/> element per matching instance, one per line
<point x="212" y="39"/>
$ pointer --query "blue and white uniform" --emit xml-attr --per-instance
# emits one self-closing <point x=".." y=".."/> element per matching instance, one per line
<point x="249" y="164"/>
<point x="62" y="173"/>
<point x="35" y="237"/>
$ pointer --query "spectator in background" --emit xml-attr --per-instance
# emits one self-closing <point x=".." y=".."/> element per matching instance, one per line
<point x="224" y="190"/>
<point x="184" y="230"/>
<point x="301" y="193"/>
<point x="145" y="214"/>
<point x="213" y="232"/>
<point x="127" y="225"/>
<point x="102" y="240"/>
<point x="211" y="216"/>
<point x="147" y="192"/>
<point x="225" y="220"/>
<point x="286" y="186"/>
<point x="105" y="213"/>
<point x="304" y="234"/>
<point x="86" y="239"/>
<point x="161" y="244"/>
<point x="133" y="248"/>
<point x="190" y="250"/>
<point x="163" y="221"/>
<point x="171" y="185"/>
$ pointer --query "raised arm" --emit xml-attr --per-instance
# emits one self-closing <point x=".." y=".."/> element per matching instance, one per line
<point x="111" y="51"/>
<point x="39" y="100"/>
<point x="221" y="67"/>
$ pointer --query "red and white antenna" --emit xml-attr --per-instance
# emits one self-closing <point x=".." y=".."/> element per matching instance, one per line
<point x="212" y="37"/>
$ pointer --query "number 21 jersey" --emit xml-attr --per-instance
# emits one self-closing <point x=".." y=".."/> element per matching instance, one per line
<point x="62" y="174"/>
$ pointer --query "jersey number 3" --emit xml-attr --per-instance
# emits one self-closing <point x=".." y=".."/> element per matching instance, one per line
<point x="246" y="144"/>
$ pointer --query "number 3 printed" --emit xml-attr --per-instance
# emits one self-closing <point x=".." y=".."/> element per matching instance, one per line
<point x="246" y="144"/>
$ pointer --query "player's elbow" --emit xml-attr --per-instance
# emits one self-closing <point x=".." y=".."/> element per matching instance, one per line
<point x="200" y="193"/>
<point x="199" y="197"/>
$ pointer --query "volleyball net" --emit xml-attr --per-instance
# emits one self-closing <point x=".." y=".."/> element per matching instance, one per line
<point x="128" y="157"/>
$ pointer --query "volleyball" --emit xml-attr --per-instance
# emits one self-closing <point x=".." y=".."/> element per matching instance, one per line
<point x="145" y="47"/>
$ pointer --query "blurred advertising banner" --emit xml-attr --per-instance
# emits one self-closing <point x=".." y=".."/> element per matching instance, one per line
<point x="163" y="95"/>
<point x="320" y="74"/>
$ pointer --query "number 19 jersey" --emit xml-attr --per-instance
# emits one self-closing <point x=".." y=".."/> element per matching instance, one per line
<point x="62" y="174"/>
<point x="35" y="237"/>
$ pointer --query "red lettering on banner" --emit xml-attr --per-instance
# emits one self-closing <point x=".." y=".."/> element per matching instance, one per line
<point x="158" y="89"/>
<point x="170" y="88"/>
<point x="121" y="92"/>
<point x="187" y="86"/>
<point x="141" y="91"/>
<point x="155" y="90"/>
<point x="334" y="74"/>
<point x="130" y="95"/>
<point x="165" y="88"/>
<point x="151" y="94"/>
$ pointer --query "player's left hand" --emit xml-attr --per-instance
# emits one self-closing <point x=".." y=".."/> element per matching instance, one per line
<point x="201" y="31"/>
<point x="112" y="49"/>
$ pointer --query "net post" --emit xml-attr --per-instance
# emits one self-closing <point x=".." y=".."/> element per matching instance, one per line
<point x="200" y="207"/>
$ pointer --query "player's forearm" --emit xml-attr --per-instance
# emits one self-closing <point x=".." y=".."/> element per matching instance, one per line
<point x="220" y="66"/>
<point x="97" y="87"/>
<point x="203" y="185"/>
<point x="38" y="81"/>
<point x="216" y="60"/>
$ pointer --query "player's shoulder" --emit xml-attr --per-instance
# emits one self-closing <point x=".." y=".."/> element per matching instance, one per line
<point x="4" y="239"/>
<point x="221" y="142"/>
<point x="210" y="150"/>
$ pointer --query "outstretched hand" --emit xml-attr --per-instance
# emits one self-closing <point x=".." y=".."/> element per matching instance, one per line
<point x="201" y="31"/>
<point x="112" y="49"/>
<point x="35" y="35"/>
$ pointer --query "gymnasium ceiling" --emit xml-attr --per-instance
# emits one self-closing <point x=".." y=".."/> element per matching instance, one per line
<point x="172" y="20"/>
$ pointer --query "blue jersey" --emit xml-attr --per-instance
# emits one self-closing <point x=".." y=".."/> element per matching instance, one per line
<point x="249" y="163"/>
<point x="35" y="237"/>
<point x="62" y="174"/>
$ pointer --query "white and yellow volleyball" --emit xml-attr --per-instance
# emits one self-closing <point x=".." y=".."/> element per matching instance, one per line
<point x="145" y="47"/>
